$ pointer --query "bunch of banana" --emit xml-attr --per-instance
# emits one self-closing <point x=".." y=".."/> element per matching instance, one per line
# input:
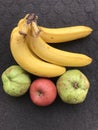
<point x="31" y="52"/>
<point x="27" y="59"/>
<point x="51" y="54"/>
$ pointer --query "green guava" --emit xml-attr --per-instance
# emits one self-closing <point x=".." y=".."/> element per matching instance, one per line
<point x="16" y="81"/>
<point x="73" y="86"/>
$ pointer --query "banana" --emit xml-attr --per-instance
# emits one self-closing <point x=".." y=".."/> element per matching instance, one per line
<point x="28" y="60"/>
<point x="53" y="55"/>
<point x="65" y="34"/>
<point x="57" y="35"/>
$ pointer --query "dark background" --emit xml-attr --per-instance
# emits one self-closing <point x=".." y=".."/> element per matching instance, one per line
<point x="21" y="113"/>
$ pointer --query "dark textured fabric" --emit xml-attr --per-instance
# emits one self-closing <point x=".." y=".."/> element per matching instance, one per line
<point x="21" y="113"/>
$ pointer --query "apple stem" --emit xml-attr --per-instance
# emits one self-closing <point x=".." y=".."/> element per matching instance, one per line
<point x="39" y="93"/>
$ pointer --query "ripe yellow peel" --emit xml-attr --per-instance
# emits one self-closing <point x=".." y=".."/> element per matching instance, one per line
<point x="57" y="35"/>
<point x="28" y="60"/>
<point x="65" y="34"/>
<point x="56" y="56"/>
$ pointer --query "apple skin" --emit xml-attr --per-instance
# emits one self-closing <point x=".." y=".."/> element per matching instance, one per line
<point x="73" y="87"/>
<point x="43" y="92"/>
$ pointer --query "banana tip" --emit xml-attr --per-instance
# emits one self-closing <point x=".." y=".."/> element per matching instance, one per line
<point x="91" y="30"/>
<point x="90" y="60"/>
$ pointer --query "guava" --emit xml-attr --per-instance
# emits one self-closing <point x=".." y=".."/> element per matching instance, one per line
<point x="16" y="81"/>
<point x="73" y="86"/>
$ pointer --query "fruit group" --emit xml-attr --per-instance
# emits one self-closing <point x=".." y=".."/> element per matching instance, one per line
<point x="30" y="50"/>
<point x="43" y="92"/>
<point x="73" y="87"/>
<point x="16" y="81"/>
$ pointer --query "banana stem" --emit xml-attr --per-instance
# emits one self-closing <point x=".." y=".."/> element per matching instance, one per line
<point x="32" y="19"/>
<point x="35" y="29"/>
<point x="30" y="23"/>
<point x="24" y="29"/>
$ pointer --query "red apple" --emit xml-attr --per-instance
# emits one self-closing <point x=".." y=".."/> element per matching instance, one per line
<point x="43" y="92"/>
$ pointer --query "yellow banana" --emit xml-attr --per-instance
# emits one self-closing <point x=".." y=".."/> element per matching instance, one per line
<point x="65" y="34"/>
<point x="57" y="35"/>
<point x="28" y="60"/>
<point x="55" y="56"/>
